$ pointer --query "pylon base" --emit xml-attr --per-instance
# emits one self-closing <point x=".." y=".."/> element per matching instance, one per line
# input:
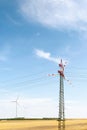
<point x="61" y="124"/>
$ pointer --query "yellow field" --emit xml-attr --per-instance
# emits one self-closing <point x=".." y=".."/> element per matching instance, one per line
<point x="42" y="125"/>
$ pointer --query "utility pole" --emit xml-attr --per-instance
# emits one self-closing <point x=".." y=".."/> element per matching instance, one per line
<point x="61" y="125"/>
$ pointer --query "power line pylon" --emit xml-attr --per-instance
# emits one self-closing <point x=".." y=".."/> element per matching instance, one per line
<point x="61" y="119"/>
<point x="61" y="116"/>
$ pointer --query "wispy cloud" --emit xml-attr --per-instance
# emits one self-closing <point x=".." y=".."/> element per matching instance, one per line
<point x="12" y="20"/>
<point x="61" y="14"/>
<point x="46" y="55"/>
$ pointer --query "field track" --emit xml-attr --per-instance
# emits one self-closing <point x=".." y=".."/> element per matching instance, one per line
<point x="42" y="125"/>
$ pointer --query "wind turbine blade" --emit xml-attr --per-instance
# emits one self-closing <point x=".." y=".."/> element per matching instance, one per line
<point x="13" y="101"/>
<point x="17" y="98"/>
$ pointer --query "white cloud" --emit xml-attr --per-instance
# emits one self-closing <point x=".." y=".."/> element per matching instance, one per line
<point x="46" y="55"/>
<point x="65" y="14"/>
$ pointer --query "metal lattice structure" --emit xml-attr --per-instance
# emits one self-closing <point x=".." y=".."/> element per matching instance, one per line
<point x="61" y="119"/>
<point x="61" y="116"/>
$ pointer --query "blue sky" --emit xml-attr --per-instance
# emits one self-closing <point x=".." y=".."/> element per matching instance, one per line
<point x="34" y="36"/>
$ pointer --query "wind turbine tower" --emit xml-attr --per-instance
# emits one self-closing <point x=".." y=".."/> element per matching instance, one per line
<point x="16" y="103"/>
<point x="61" y="97"/>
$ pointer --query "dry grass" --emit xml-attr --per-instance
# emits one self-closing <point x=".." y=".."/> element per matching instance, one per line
<point x="42" y="125"/>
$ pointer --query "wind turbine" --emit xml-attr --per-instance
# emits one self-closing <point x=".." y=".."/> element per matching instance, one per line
<point x="16" y="103"/>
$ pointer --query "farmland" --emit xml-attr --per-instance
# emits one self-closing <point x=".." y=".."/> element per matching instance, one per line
<point x="79" y="124"/>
